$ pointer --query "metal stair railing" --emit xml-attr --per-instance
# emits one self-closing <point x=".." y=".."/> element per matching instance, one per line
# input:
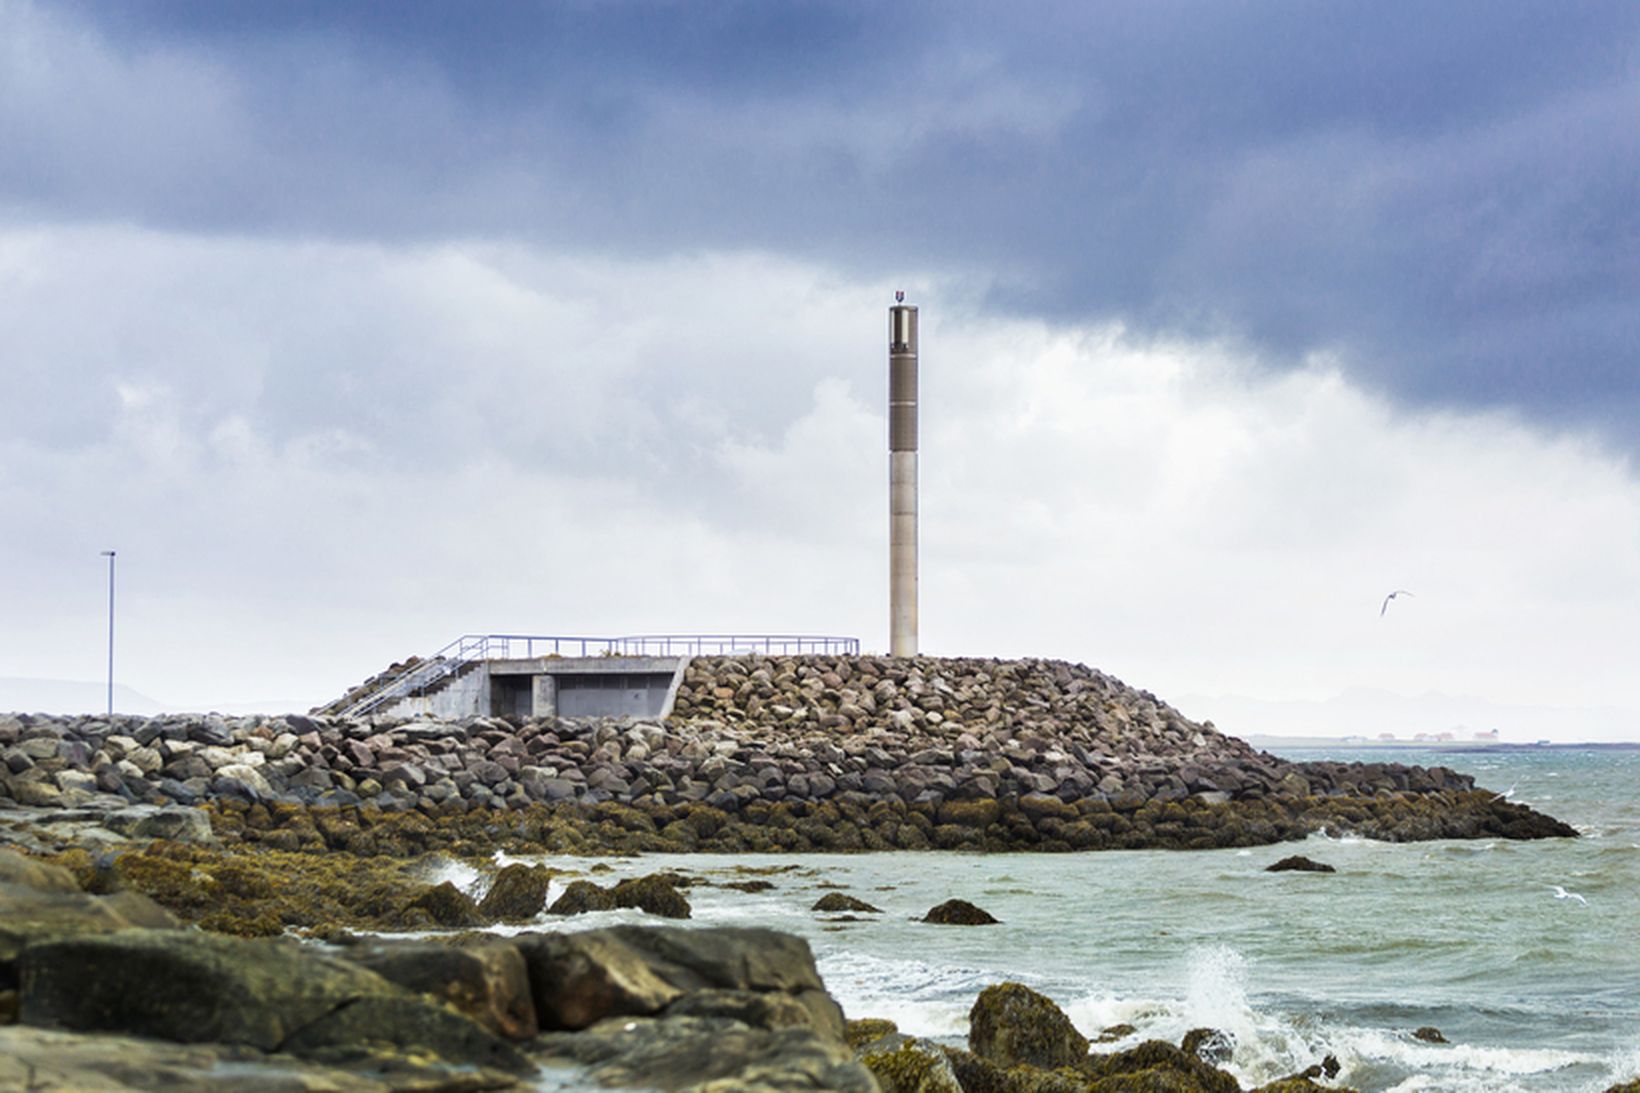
<point x="477" y="647"/>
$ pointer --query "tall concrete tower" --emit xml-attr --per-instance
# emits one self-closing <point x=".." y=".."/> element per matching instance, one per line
<point x="902" y="479"/>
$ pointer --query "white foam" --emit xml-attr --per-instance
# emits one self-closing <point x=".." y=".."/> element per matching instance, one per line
<point x="1457" y="1060"/>
<point x="458" y="873"/>
<point x="923" y="999"/>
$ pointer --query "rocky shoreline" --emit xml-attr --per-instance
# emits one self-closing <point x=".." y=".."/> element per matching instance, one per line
<point x="109" y="989"/>
<point x="187" y="901"/>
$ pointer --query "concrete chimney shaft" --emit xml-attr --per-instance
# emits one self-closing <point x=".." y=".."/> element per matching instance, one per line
<point x="902" y="481"/>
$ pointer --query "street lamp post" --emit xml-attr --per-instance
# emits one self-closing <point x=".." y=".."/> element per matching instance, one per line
<point x="109" y="554"/>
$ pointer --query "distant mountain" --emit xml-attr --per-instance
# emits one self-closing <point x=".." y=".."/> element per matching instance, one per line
<point x="70" y="696"/>
<point x="1367" y="712"/>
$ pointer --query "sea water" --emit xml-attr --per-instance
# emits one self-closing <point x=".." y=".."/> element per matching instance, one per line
<point x="1533" y="991"/>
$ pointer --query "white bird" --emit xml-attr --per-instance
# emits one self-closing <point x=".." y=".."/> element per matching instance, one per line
<point x="1561" y="893"/>
<point x="1506" y="794"/>
<point x="1391" y="596"/>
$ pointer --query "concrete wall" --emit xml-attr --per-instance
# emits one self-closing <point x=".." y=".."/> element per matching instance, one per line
<point x="554" y="687"/>
<point x="465" y="696"/>
<point x="586" y="686"/>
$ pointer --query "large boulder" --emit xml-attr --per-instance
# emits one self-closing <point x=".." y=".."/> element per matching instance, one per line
<point x="1011" y="1024"/>
<point x="31" y="915"/>
<point x="271" y="995"/>
<point x="58" y="1061"/>
<point x="488" y="981"/>
<point x="581" y="978"/>
<point x="25" y="872"/>
<point x="710" y="1054"/>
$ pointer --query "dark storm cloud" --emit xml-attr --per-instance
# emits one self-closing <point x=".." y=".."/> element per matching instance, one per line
<point x="1444" y="195"/>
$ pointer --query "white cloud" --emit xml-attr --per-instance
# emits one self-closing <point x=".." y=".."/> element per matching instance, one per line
<point x="340" y="455"/>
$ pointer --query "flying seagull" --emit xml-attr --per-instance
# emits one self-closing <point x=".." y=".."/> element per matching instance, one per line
<point x="1391" y="596"/>
<point x="1561" y="893"/>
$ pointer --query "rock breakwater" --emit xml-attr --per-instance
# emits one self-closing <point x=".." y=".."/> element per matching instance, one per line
<point x="776" y="753"/>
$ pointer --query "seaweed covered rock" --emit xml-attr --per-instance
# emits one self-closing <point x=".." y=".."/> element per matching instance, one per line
<point x="581" y="896"/>
<point x="979" y="1075"/>
<point x="656" y="894"/>
<point x="903" y="1064"/>
<point x="518" y="893"/>
<point x="1429" y="1034"/>
<point x="1157" y="1064"/>
<point x="865" y="1030"/>
<point x="1011" y="1024"/>
<point x="959" y="912"/>
<point x="444" y="904"/>
<point x="1210" y="1045"/>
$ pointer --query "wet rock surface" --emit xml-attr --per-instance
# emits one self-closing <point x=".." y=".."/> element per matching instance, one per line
<point x="104" y="1004"/>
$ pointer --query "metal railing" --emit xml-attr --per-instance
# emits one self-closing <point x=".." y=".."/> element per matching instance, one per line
<point x="470" y="648"/>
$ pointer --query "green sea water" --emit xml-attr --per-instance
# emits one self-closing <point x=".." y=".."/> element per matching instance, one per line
<point x="1533" y="991"/>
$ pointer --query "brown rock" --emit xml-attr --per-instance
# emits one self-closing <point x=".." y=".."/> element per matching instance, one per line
<point x="489" y="981"/>
<point x="958" y="912"/>
<point x="839" y="901"/>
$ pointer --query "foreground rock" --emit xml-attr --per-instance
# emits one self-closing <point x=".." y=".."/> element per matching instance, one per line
<point x="105" y="1004"/>
<point x="53" y="1061"/>
<point x="275" y="996"/>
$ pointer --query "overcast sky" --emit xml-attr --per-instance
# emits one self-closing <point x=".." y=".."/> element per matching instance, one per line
<point x="354" y="328"/>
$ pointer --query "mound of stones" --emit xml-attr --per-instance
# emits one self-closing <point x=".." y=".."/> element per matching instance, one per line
<point x="103" y="991"/>
<point x="962" y="741"/>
